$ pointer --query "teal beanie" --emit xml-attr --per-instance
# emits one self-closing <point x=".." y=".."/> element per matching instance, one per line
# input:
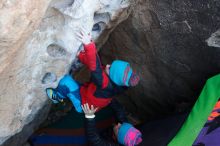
<point x="120" y="72"/>
<point x="129" y="135"/>
<point x="122" y="131"/>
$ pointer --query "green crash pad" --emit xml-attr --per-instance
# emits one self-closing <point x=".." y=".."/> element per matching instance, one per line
<point x="199" y="114"/>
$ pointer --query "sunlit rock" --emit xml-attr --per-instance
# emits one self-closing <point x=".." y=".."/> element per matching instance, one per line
<point x="38" y="45"/>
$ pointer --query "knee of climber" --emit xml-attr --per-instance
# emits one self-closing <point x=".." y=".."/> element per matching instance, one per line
<point x="69" y="83"/>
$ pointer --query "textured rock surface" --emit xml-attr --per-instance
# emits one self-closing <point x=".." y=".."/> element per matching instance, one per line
<point x="174" y="45"/>
<point x="49" y="50"/>
<point x="17" y="20"/>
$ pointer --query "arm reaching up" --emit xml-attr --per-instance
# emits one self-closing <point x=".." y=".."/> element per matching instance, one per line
<point x="88" y="55"/>
<point x="92" y="133"/>
<point x="90" y="58"/>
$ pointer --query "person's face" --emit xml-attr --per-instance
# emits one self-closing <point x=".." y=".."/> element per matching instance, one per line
<point x="107" y="69"/>
<point x="115" y="129"/>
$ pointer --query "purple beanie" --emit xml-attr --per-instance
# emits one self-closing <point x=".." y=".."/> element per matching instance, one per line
<point x="128" y="135"/>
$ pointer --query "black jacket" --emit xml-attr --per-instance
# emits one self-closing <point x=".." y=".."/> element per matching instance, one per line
<point x="94" y="137"/>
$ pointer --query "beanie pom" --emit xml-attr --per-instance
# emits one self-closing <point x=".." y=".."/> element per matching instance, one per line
<point x="134" y="79"/>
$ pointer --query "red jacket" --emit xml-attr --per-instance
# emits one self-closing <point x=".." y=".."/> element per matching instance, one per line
<point x="100" y="90"/>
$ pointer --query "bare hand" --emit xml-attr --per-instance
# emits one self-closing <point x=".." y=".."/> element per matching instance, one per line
<point x="89" y="113"/>
<point x="84" y="36"/>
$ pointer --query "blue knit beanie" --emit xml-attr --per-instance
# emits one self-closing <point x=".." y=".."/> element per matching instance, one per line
<point x="128" y="135"/>
<point x="122" y="131"/>
<point x="120" y="72"/>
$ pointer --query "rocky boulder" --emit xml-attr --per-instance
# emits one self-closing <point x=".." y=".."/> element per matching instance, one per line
<point x="38" y="45"/>
<point x="174" y="45"/>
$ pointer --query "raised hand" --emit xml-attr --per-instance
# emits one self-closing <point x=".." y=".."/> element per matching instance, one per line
<point x="84" y="36"/>
<point x="89" y="113"/>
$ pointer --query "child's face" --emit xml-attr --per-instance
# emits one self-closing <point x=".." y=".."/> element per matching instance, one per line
<point x="107" y="69"/>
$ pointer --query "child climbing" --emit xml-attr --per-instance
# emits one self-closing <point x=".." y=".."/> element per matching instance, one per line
<point x="124" y="133"/>
<point x="105" y="82"/>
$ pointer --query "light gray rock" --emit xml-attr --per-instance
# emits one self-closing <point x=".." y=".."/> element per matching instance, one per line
<point x="38" y="37"/>
<point x="214" y="40"/>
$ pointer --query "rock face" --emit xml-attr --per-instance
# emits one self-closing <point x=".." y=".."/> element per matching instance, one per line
<point x="17" y="20"/>
<point x="174" y="45"/>
<point x="38" y="44"/>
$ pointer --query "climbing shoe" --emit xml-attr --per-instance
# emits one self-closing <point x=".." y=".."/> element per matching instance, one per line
<point x="53" y="95"/>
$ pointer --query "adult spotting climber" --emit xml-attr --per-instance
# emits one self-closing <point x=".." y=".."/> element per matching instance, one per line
<point x="105" y="82"/>
<point x="122" y="133"/>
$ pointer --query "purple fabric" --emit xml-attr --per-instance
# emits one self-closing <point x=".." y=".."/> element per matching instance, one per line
<point x="210" y="134"/>
<point x="211" y="139"/>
